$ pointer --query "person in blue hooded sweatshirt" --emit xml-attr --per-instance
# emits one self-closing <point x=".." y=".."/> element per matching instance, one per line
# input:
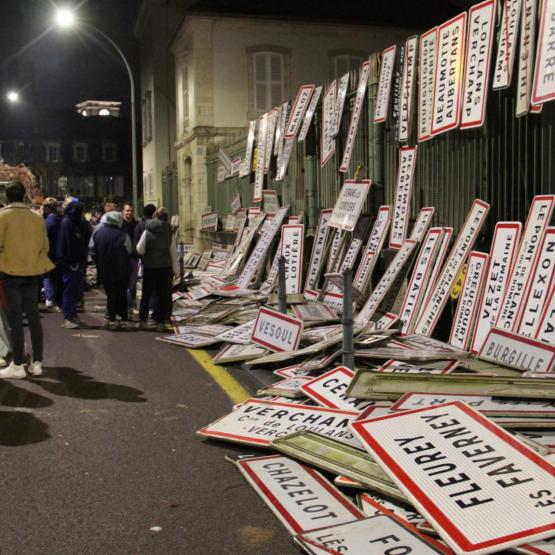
<point x="69" y="254"/>
<point x="51" y="281"/>
<point x="111" y="247"/>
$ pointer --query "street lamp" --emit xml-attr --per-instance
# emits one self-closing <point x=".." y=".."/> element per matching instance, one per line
<point x="65" y="19"/>
<point x="13" y="96"/>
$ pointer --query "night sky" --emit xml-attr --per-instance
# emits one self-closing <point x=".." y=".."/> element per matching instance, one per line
<point x="56" y="69"/>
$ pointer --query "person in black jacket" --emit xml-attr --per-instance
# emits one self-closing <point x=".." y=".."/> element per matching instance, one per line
<point x="129" y="226"/>
<point x="159" y="257"/>
<point x="111" y="249"/>
<point x="70" y="255"/>
<point x="51" y="281"/>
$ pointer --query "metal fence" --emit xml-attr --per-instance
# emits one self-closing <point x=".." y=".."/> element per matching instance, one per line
<point x="506" y="163"/>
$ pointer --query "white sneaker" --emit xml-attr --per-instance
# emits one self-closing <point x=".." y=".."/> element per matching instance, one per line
<point x="3" y="362"/>
<point x="49" y="304"/>
<point x="13" y="371"/>
<point x="35" y="368"/>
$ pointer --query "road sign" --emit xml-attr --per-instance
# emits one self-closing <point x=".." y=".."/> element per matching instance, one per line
<point x="349" y="204"/>
<point x="449" y="75"/>
<point x="327" y="138"/>
<point x="384" y="84"/>
<point x="483" y="403"/>
<point x="310" y="113"/>
<point x="403" y="193"/>
<point x="292" y="243"/>
<point x="209" y="221"/>
<point x="434" y="367"/>
<point x="516" y="351"/>
<point x="544" y="81"/>
<point x="379" y="533"/>
<point x="525" y="76"/>
<point x="465" y="316"/>
<point x="502" y="258"/>
<point x="328" y="390"/>
<point x="340" y="102"/>
<point x="481" y="21"/>
<point x="427" y="65"/>
<point x="315" y="502"/>
<point x="259" y="422"/>
<point x="507" y="44"/>
<point x="462" y="472"/>
<point x="276" y="331"/>
<point x="297" y="112"/>
<point x="318" y="249"/>
<point x="407" y="87"/>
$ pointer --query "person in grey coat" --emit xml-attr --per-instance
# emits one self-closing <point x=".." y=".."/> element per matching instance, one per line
<point x="159" y="257"/>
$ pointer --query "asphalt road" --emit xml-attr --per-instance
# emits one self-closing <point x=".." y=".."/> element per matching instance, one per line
<point x="99" y="455"/>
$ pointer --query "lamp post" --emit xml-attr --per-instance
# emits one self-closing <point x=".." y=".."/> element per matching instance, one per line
<point x="65" y="18"/>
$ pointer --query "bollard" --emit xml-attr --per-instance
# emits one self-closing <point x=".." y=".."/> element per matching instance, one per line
<point x="347" y="320"/>
<point x="282" y="287"/>
<point x="181" y="251"/>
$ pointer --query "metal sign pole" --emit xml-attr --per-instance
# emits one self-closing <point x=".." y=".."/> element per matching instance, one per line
<point x="347" y="320"/>
<point x="282" y="288"/>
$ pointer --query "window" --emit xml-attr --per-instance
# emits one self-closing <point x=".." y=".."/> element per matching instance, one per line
<point x="80" y="152"/>
<point x="268" y="81"/>
<point x="53" y="152"/>
<point x="344" y="61"/>
<point x="109" y="152"/>
<point x="268" y="72"/>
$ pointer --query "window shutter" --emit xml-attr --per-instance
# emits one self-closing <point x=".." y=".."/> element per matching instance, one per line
<point x="260" y="85"/>
<point x="276" y="76"/>
<point x="341" y="65"/>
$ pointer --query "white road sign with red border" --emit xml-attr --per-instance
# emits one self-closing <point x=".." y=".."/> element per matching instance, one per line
<point x="276" y="331"/>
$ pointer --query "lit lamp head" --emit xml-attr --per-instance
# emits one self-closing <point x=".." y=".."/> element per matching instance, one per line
<point x="13" y="96"/>
<point x="64" y="18"/>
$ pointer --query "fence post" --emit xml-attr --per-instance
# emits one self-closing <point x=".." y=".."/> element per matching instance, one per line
<point x="181" y="251"/>
<point x="282" y="288"/>
<point x="347" y="320"/>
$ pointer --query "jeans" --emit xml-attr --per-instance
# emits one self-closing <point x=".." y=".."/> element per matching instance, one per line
<point x="132" y="285"/>
<point x="21" y="297"/>
<point x="116" y="297"/>
<point x="71" y="278"/>
<point x="50" y="284"/>
<point x="158" y="281"/>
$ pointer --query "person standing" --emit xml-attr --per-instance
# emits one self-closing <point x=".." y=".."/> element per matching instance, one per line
<point x="111" y="249"/>
<point x="129" y="226"/>
<point x="51" y="281"/>
<point x="23" y="259"/>
<point x="70" y="255"/>
<point x="159" y="257"/>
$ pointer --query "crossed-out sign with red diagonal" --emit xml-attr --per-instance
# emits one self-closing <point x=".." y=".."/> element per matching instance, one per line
<point x="481" y="488"/>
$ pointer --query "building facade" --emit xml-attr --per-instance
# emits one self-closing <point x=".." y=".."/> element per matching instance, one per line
<point x="230" y="70"/>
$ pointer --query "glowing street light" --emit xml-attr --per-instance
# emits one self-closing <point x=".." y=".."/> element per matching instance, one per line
<point x="64" y="18"/>
<point x="13" y="96"/>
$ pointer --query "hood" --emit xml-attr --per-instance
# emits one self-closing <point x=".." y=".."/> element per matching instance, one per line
<point x="74" y="211"/>
<point x="113" y="218"/>
<point x="157" y="226"/>
<point x="52" y="218"/>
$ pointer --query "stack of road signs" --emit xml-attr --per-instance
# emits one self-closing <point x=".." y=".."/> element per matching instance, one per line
<point x="451" y="437"/>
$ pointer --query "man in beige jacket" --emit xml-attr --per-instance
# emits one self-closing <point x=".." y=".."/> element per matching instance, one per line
<point x="23" y="260"/>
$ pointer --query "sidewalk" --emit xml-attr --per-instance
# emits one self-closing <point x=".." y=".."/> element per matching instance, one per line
<point x="101" y="450"/>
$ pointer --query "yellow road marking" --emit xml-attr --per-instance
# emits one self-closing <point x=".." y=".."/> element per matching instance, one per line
<point x="229" y="385"/>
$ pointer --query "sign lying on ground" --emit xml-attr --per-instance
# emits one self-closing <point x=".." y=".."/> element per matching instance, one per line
<point x="275" y="331"/>
<point x="328" y="390"/>
<point x="301" y="498"/>
<point x="434" y="367"/>
<point x="259" y="422"/>
<point x="483" y="403"/>
<point x="349" y="204"/>
<point x="378" y="533"/>
<point x="209" y="221"/>
<point x="516" y="351"/>
<point x="462" y="472"/>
